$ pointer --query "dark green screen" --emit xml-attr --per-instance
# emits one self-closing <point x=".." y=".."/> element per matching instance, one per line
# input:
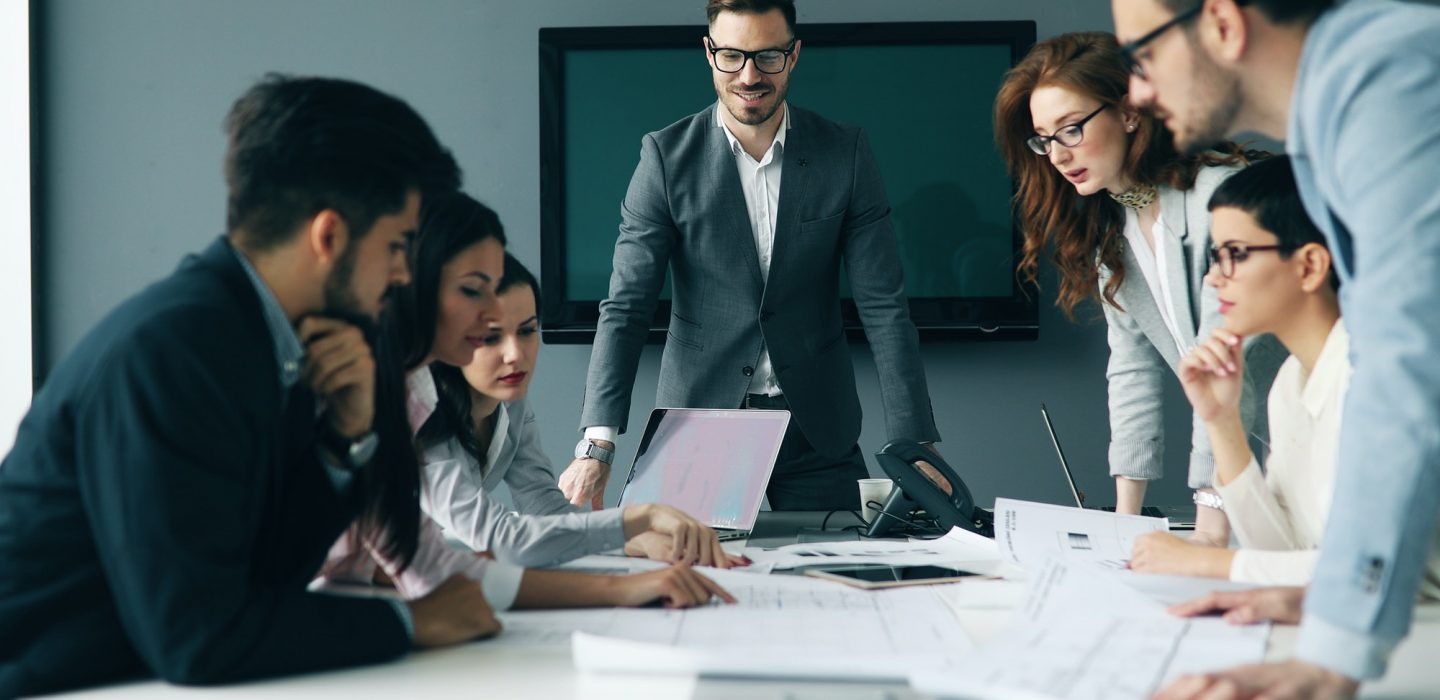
<point x="926" y="110"/>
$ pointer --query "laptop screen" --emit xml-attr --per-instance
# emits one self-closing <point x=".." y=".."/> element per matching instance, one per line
<point x="713" y="464"/>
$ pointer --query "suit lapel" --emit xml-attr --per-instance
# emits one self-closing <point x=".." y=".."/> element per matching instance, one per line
<point x="1135" y="297"/>
<point x="729" y="197"/>
<point x="794" y="181"/>
<point x="1175" y="239"/>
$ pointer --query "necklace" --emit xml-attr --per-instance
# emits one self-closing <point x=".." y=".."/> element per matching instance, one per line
<point x="1137" y="197"/>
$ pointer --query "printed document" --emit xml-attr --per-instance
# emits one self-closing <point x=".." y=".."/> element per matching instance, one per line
<point x="1029" y="533"/>
<point x="1082" y="634"/>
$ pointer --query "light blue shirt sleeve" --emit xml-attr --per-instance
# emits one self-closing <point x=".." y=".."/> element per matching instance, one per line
<point x="1366" y="139"/>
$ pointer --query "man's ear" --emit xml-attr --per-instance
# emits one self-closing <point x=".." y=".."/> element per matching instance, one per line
<point x="1224" y="31"/>
<point x="1315" y="266"/>
<point x="327" y="236"/>
<point x="794" y="57"/>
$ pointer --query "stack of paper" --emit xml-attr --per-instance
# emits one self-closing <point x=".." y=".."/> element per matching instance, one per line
<point x="1082" y="633"/>
<point x="783" y="626"/>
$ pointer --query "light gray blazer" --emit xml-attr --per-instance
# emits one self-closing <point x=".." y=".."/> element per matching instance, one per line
<point x="1143" y="352"/>
<point x="685" y="211"/>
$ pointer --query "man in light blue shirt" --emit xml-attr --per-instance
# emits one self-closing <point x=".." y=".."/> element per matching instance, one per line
<point x="1354" y="90"/>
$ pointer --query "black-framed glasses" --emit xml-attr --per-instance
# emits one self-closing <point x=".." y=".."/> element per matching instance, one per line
<point x="1129" y="51"/>
<point x="1226" y="255"/>
<point x="768" y="61"/>
<point x="1069" y="136"/>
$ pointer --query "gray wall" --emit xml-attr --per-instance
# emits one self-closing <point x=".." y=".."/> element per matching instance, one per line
<point x="135" y="92"/>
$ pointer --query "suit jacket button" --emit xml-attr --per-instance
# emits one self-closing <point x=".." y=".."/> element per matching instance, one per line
<point x="767" y="315"/>
<point x="748" y="370"/>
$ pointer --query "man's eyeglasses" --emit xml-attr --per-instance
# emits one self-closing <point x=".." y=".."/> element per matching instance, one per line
<point x="1129" y="52"/>
<point x="1069" y="135"/>
<point x="1226" y="255"/>
<point x="768" y="61"/>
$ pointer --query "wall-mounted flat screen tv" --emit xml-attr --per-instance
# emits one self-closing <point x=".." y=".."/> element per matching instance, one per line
<point x="923" y="91"/>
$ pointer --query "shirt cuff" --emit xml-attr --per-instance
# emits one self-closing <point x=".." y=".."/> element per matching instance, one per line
<point x="501" y="582"/>
<point x="339" y="476"/>
<point x="605" y="530"/>
<point x="1358" y="655"/>
<point x="1138" y="459"/>
<point x="607" y="433"/>
<point x="402" y="609"/>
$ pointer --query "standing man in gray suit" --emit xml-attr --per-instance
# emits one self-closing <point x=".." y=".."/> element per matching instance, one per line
<point x="755" y="205"/>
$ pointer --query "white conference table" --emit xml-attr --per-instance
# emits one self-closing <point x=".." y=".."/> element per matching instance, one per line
<point x="489" y="670"/>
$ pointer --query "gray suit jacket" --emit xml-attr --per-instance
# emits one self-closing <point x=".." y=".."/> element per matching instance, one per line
<point x="1143" y="352"/>
<point x="685" y="210"/>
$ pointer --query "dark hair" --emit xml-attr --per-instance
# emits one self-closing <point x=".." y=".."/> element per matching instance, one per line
<point x="713" y="8"/>
<point x="516" y="274"/>
<point x="1268" y="193"/>
<point x="452" y="416"/>
<point x="1079" y="231"/>
<point x="449" y="223"/>
<point x="1277" y="11"/>
<point x="298" y="146"/>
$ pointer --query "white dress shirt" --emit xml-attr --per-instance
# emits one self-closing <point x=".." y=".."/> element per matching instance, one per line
<point x="760" y="181"/>
<point x="1155" y="263"/>
<point x="1279" y="518"/>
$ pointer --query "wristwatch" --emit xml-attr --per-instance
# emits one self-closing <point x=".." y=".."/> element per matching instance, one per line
<point x="587" y="449"/>
<point x="353" y="453"/>
<point x="1209" y="500"/>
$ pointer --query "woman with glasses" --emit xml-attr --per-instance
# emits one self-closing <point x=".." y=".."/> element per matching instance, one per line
<point x="1273" y="274"/>
<point x="1123" y="216"/>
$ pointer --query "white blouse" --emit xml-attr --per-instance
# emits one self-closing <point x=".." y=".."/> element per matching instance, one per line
<point x="1279" y="518"/>
<point x="458" y="494"/>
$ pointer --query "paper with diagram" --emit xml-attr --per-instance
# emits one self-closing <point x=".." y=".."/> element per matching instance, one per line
<point x="783" y="626"/>
<point x="1083" y="634"/>
<point x="1029" y="533"/>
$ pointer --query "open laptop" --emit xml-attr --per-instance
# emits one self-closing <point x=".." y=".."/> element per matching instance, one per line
<point x="1181" y="517"/>
<point x="714" y="464"/>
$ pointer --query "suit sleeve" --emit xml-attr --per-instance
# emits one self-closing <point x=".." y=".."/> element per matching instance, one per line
<point x="877" y="281"/>
<point x="1134" y="375"/>
<point x="176" y="497"/>
<point x="642" y="254"/>
<point x="1383" y="142"/>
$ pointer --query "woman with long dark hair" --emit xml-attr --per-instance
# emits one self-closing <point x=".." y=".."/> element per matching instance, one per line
<point x="455" y="262"/>
<point x="1124" y="219"/>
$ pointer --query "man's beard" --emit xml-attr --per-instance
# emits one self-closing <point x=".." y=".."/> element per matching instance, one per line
<point x="340" y="300"/>
<point x="1220" y="91"/>
<point x="749" y="118"/>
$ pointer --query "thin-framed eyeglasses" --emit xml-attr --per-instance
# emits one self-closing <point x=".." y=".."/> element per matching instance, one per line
<point x="1226" y="255"/>
<point x="1130" y="50"/>
<point x="767" y="61"/>
<point x="1069" y="136"/>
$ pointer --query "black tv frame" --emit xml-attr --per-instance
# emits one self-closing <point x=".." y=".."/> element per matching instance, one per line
<point x="568" y="322"/>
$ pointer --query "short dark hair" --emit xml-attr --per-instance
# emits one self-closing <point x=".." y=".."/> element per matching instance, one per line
<point x="299" y="145"/>
<point x="516" y="274"/>
<point x="713" y="8"/>
<point x="1277" y="11"/>
<point x="1268" y="193"/>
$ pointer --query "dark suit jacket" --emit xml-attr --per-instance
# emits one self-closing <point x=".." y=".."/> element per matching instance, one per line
<point x="685" y="209"/>
<point x="159" y="514"/>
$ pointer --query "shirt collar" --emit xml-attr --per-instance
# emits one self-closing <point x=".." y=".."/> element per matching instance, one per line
<point x="289" y="352"/>
<point x="778" y="145"/>
<point x="1330" y="369"/>
<point x="421" y="397"/>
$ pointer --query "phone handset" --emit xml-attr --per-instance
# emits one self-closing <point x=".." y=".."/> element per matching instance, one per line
<point x="914" y="489"/>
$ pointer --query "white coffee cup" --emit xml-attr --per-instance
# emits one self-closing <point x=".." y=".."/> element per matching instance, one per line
<point x="877" y="490"/>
